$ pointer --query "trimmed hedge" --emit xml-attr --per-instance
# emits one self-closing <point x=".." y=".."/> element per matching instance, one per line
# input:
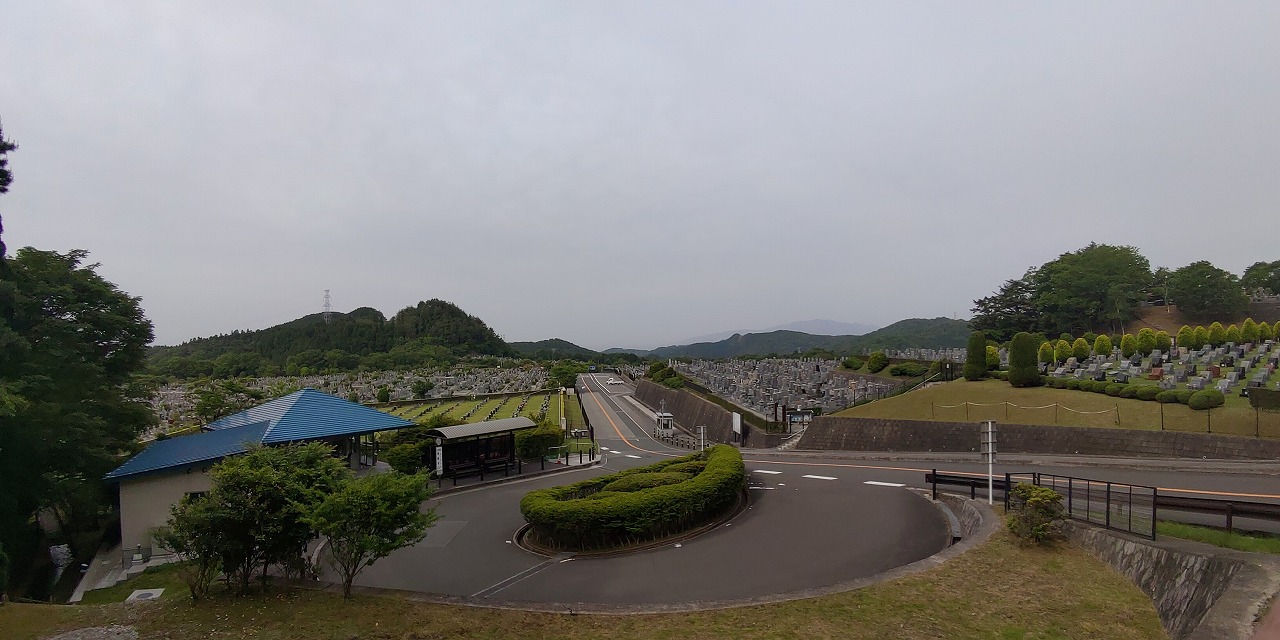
<point x="646" y="481"/>
<point x="1147" y="392"/>
<point x="1129" y="391"/>
<point x="1206" y="399"/>
<point x="1168" y="396"/>
<point x="1184" y="395"/>
<point x="692" y="467"/>
<point x="1113" y="389"/>
<point x="574" y="517"/>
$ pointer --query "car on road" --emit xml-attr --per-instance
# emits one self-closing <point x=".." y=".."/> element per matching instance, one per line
<point x="613" y="381"/>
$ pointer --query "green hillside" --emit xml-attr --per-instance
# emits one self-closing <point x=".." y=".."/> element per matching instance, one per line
<point x="923" y="333"/>
<point x="553" y="349"/>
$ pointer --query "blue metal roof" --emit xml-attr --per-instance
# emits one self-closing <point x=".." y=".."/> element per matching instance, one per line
<point x="302" y="415"/>
<point x="201" y="447"/>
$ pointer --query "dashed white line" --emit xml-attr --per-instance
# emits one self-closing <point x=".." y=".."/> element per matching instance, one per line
<point x="631" y="456"/>
<point x="884" y="484"/>
<point x="772" y="473"/>
<point x="819" y="477"/>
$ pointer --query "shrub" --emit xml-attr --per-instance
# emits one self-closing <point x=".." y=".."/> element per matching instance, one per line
<point x="1062" y="351"/>
<point x="1080" y="349"/>
<point x="1053" y="383"/>
<point x="853" y="363"/>
<point x="1090" y="337"/>
<point x="1102" y="346"/>
<point x="537" y="442"/>
<point x="1233" y="334"/>
<point x="1036" y="514"/>
<point x="1045" y="354"/>
<point x="1147" y="392"/>
<point x="640" y="481"/>
<point x="1249" y="331"/>
<point x="1206" y="399"/>
<point x="1100" y="386"/>
<point x="1130" y="391"/>
<point x="1023" y="368"/>
<point x="1200" y="337"/>
<point x="1146" y="340"/>
<point x="1168" y="396"/>
<point x="975" y="359"/>
<point x="1128" y="345"/>
<point x="1266" y="331"/>
<point x="1163" y="342"/>
<point x="1187" y="337"/>
<point x="1113" y="389"/>
<point x="1184" y="395"/>
<point x="1073" y="383"/>
<point x="1217" y="334"/>
<point x="878" y="361"/>
<point x="692" y="467"/>
<point x="993" y="357"/>
<point x="909" y="369"/>
<point x="567" y="517"/>
<point x="384" y="394"/>
<point x="1001" y="375"/>
<point x="405" y="458"/>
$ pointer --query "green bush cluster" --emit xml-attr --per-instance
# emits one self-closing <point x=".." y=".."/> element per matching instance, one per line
<point x="573" y="517"/>
<point x="1035" y="514"/>
<point x="692" y="467"/>
<point x="1206" y="399"/>
<point x="665" y="376"/>
<point x="640" y="481"/>
<point x="877" y="361"/>
<point x="909" y="369"/>
<point x="537" y="442"/>
<point x="853" y="363"/>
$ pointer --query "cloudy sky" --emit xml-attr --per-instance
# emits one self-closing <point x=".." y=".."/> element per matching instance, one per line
<point x="631" y="174"/>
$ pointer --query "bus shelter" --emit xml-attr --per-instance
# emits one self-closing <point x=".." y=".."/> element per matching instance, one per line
<point x="476" y="448"/>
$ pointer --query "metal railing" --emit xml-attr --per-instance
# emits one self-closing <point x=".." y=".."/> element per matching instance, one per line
<point x="1115" y="505"/>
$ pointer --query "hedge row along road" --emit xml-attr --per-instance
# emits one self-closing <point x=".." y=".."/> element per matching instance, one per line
<point x="813" y="521"/>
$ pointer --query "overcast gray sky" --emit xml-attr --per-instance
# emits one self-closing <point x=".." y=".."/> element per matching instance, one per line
<point x="631" y="174"/>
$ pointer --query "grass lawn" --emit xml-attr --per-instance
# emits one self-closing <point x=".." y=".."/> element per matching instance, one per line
<point x="1252" y="542"/>
<point x="946" y="402"/>
<point x="163" y="577"/>
<point x="996" y="591"/>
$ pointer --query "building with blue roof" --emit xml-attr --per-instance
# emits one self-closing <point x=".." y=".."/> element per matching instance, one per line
<point x="155" y="479"/>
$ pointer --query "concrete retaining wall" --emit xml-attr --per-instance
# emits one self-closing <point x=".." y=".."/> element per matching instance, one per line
<point x="1200" y="592"/>
<point x="690" y="411"/>
<point x="879" y="434"/>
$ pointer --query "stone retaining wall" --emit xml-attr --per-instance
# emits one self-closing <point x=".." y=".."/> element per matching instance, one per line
<point x="1200" y="592"/>
<point x="881" y="434"/>
<point x="690" y="411"/>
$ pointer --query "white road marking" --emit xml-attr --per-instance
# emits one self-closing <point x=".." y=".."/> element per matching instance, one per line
<point x="884" y="484"/>
<point x="772" y="473"/>
<point x="819" y="477"/>
<point x="762" y="488"/>
<point x="631" y="456"/>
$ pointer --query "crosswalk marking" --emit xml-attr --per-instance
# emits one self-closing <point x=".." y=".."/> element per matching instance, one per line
<point x="772" y="473"/>
<point x="884" y="484"/>
<point x="819" y="477"/>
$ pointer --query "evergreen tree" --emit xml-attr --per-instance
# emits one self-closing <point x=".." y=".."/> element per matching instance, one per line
<point x="1186" y="337"/>
<point x="1080" y="349"/>
<point x="6" y="178"/>
<point x="1163" y="342"/>
<point x="1249" y="331"/>
<point x="1061" y="351"/>
<point x="975" y="361"/>
<point x="1233" y="334"/>
<point x="1023" y="370"/>
<point x="1266" y="331"/>
<point x="1128" y="345"/>
<point x="1201" y="335"/>
<point x="1102" y="346"/>
<point x="1217" y="334"/>
<point x="1146" y="341"/>
<point x="1046" y="352"/>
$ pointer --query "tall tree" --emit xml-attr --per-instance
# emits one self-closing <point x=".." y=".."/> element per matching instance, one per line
<point x="69" y="350"/>
<point x="1097" y="286"/>
<point x="1262" y="275"/>
<point x="1007" y="311"/>
<point x="975" y="363"/>
<point x="1202" y="290"/>
<point x="6" y="178"/>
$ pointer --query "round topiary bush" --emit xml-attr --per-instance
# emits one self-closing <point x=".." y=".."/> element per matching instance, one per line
<point x="578" y="517"/>
<point x="1168" y="396"/>
<point x="1184" y="395"/>
<point x="640" y="481"/>
<point x="1147" y="392"/>
<point x="1095" y="386"/>
<point x="1206" y="399"/>
<point x="1023" y="366"/>
<point x="1073" y="383"/>
<point x="1113" y="389"/>
<point x="1129" y="391"/>
<point x="877" y="361"/>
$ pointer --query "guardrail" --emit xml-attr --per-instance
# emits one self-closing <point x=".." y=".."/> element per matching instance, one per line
<point x="1231" y="509"/>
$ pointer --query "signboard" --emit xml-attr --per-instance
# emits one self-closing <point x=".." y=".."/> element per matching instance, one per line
<point x="737" y="423"/>
<point x="439" y="457"/>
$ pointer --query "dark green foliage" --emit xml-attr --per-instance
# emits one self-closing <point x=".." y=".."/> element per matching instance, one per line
<point x="640" y="481"/>
<point x="877" y="361"/>
<point x="1131" y="391"/>
<point x="930" y="333"/>
<point x="1146" y="340"/>
<point x="4" y="566"/>
<point x="384" y="394"/>
<point x="1073" y="383"/>
<point x="1061" y="351"/>
<point x="692" y="467"/>
<point x="1023" y="369"/>
<point x="1265" y="399"/>
<point x="1090" y="337"/>
<point x="908" y="369"/>
<point x="421" y="387"/>
<point x="405" y="458"/>
<point x="1266" y="331"/>
<point x="1001" y="375"/>
<point x="1168" y="396"/>
<point x="1184" y="395"/>
<point x="1045" y="354"/>
<point x="565" y="373"/>
<point x="1200" y="337"/>
<point x="1206" y="399"/>
<point x="661" y="374"/>
<point x="567" y="518"/>
<point x="975" y="361"/>
<point x="1100" y="386"/>
<point x="1259" y="275"/>
<point x="1054" y="383"/>
<point x="1009" y="310"/>
<point x="853" y="363"/>
<point x="71" y="344"/>
<point x="1202" y="290"/>
<point x="535" y="443"/>
<point x="1163" y="342"/>
<point x="1035" y="515"/>
<point x="1102" y="345"/>
<point x="1217" y="334"/>
<point x="1147" y="392"/>
<point x="1187" y="337"/>
<point x="1113" y="389"/>
<point x="6" y="178"/>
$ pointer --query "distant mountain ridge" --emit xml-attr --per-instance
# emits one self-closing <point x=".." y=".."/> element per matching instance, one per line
<point x="812" y="327"/>
<point x="924" y="333"/>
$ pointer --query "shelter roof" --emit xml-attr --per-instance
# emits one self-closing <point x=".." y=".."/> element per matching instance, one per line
<point x="482" y="428"/>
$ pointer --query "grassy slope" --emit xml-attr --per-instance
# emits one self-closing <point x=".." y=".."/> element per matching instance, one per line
<point x="932" y="404"/>
<point x="1255" y="543"/>
<point x="1057" y="594"/>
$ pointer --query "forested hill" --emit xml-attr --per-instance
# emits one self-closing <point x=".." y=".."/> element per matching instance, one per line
<point x="924" y="333"/>
<point x="428" y="334"/>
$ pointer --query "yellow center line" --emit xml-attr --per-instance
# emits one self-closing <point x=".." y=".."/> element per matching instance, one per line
<point x="615" y="425"/>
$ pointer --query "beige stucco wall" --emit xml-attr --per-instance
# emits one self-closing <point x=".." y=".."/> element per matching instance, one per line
<point x="145" y="501"/>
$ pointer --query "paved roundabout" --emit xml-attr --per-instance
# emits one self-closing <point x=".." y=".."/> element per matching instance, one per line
<point x="801" y="532"/>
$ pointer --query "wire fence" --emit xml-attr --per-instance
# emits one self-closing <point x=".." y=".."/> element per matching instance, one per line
<point x="1114" y="505"/>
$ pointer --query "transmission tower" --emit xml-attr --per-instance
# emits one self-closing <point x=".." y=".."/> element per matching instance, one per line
<point x="328" y="309"/>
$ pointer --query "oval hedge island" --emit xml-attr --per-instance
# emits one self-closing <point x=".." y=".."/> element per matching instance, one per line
<point x="637" y="506"/>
